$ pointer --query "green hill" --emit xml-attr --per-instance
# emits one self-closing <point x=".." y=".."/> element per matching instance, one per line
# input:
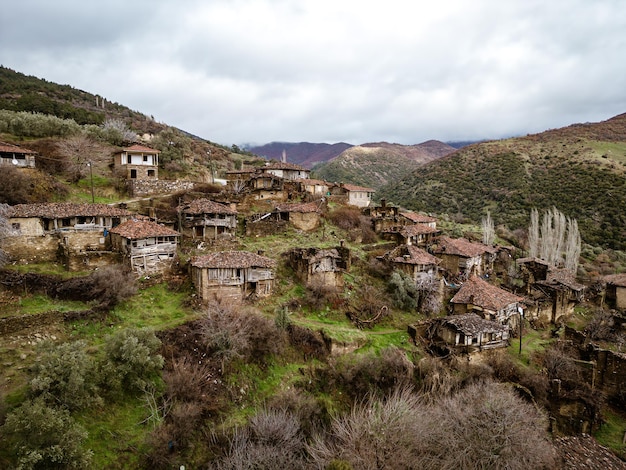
<point x="579" y="169"/>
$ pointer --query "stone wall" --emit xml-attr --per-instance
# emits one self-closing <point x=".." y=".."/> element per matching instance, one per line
<point x="32" y="249"/>
<point x="138" y="188"/>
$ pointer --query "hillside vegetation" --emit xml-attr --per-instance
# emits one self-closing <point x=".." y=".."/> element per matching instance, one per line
<point x="580" y="169"/>
<point x="376" y="164"/>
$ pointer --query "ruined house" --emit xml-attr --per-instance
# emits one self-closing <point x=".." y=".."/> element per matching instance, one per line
<point x="232" y="275"/>
<point x="74" y="232"/>
<point x="138" y="162"/>
<point x="488" y="301"/>
<point x="383" y="217"/>
<point x="205" y="219"/>
<point x="316" y="188"/>
<point x="267" y="186"/>
<point x="16" y="156"/>
<point x="413" y="261"/>
<point x="468" y="333"/>
<point x="302" y="216"/>
<point x="321" y="266"/>
<point x="147" y="247"/>
<point x="552" y="293"/>
<point x="421" y="235"/>
<point x="460" y="257"/>
<point x="615" y="292"/>
<point x="237" y="180"/>
<point x="288" y="171"/>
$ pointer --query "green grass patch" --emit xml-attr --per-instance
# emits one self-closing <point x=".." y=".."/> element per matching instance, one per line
<point x="379" y="340"/>
<point x="153" y="307"/>
<point x="48" y="269"/>
<point x="533" y="341"/>
<point x="38" y="303"/>
<point x="116" y="433"/>
<point x="611" y="433"/>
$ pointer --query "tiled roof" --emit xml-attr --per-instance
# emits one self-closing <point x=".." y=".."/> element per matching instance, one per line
<point x="471" y="324"/>
<point x="137" y="229"/>
<point x="417" y="229"/>
<point x="563" y="277"/>
<point x="139" y="148"/>
<point x="10" y="148"/>
<point x="478" y="292"/>
<point x="462" y="247"/>
<point x="354" y="187"/>
<point x="314" y="255"/>
<point x="418" y="218"/>
<point x="410" y="254"/>
<point x="205" y="206"/>
<point x="585" y="453"/>
<point x="312" y="182"/>
<point x="59" y="210"/>
<point x="616" y="279"/>
<point x="233" y="259"/>
<point x="303" y="207"/>
<point x="283" y="166"/>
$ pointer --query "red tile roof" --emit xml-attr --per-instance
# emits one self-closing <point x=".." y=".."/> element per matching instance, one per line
<point x="471" y="324"/>
<point x="303" y="207"/>
<point x="585" y="453"/>
<point x="139" y="148"/>
<point x="59" y="210"/>
<point x="462" y="247"/>
<point x="5" y="147"/>
<point x="233" y="259"/>
<point x="418" y="218"/>
<point x="205" y="206"/>
<point x="616" y="279"/>
<point x="312" y="182"/>
<point x="478" y="292"/>
<point x="137" y="229"/>
<point x="410" y="254"/>
<point x="283" y="166"/>
<point x="417" y="229"/>
<point x="354" y="187"/>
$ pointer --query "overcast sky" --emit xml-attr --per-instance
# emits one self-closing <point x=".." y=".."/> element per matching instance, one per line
<point x="356" y="71"/>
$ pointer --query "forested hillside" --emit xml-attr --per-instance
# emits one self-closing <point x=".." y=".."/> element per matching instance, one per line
<point x="579" y="169"/>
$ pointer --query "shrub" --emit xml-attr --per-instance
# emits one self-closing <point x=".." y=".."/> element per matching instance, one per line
<point x="131" y="360"/>
<point x="112" y="285"/>
<point x="403" y="291"/>
<point x="65" y="376"/>
<point x="45" y="437"/>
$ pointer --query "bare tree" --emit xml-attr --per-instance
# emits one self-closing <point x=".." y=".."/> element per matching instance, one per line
<point x="533" y="234"/>
<point x="572" y="246"/>
<point x="430" y="296"/>
<point x="78" y="151"/>
<point x="489" y="233"/>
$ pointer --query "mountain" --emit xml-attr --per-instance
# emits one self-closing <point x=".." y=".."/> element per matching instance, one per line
<point x="305" y="154"/>
<point x="376" y="164"/>
<point x="579" y="169"/>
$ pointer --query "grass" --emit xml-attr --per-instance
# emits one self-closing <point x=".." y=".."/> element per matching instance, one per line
<point x="38" y="303"/>
<point x="116" y="433"/>
<point x="611" y="433"/>
<point x="533" y="341"/>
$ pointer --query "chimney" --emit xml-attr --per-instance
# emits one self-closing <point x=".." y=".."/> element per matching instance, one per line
<point x="342" y="243"/>
<point x="383" y="203"/>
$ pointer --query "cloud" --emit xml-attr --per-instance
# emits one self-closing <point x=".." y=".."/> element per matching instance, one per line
<point x="236" y="71"/>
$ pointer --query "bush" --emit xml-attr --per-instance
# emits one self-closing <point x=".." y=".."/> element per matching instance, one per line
<point x="403" y="291"/>
<point x="45" y="437"/>
<point x="131" y="360"/>
<point x="65" y="376"/>
<point x="112" y="285"/>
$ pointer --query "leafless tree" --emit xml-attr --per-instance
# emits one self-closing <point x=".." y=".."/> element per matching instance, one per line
<point x="533" y="234"/>
<point x="430" y="298"/>
<point x="79" y="151"/>
<point x="572" y="246"/>
<point x="489" y="232"/>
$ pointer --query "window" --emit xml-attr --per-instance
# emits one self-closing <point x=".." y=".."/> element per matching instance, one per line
<point x="145" y="158"/>
<point x="15" y="226"/>
<point x="129" y="159"/>
<point x="151" y="173"/>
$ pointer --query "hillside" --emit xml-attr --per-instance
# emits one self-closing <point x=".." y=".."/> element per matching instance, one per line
<point x="579" y="169"/>
<point x="376" y="164"/>
<point x="305" y="154"/>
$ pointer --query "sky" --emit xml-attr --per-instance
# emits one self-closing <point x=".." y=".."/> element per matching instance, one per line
<point x="356" y="71"/>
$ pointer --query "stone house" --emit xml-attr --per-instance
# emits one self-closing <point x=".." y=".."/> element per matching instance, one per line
<point x="552" y="293"/>
<point x="409" y="218"/>
<point x="421" y="235"/>
<point x="323" y="266"/>
<point x="460" y="257"/>
<point x="74" y="232"/>
<point x="16" y="156"/>
<point x="301" y="215"/>
<point x="267" y="186"/>
<point x="615" y="293"/>
<point x="383" y="217"/>
<point x="467" y="333"/>
<point x="413" y="261"/>
<point x="237" y="180"/>
<point x="147" y="247"/>
<point x="316" y="188"/>
<point x="205" y="219"/>
<point x="352" y="194"/>
<point x="232" y="275"/>
<point x="288" y="171"/>
<point x="138" y="162"/>
<point x="488" y="301"/>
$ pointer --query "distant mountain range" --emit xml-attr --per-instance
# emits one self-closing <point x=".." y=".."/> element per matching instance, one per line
<point x="309" y="154"/>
